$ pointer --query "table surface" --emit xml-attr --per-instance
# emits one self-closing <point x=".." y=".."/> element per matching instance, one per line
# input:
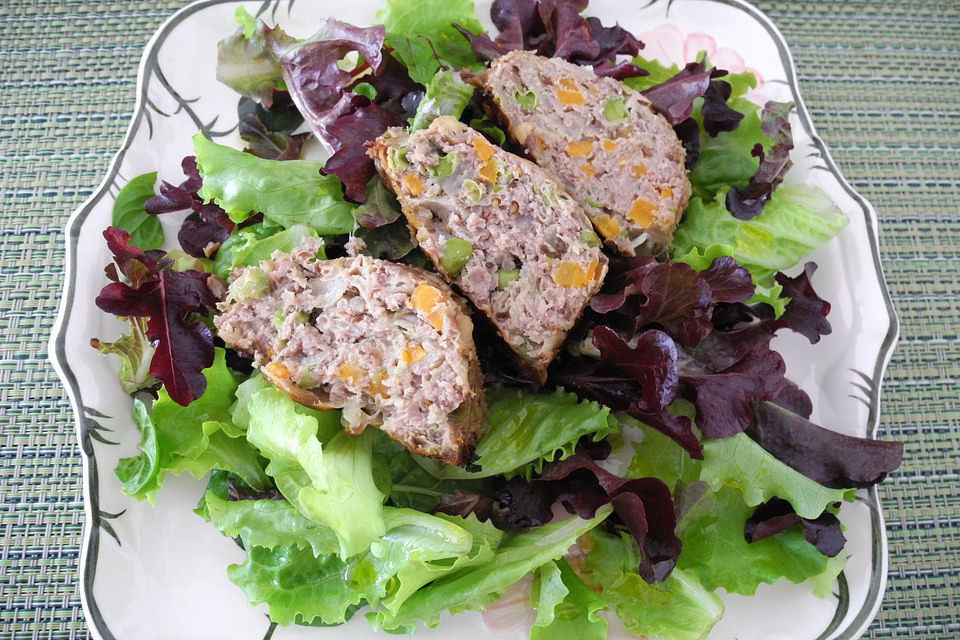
<point x="880" y="79"/>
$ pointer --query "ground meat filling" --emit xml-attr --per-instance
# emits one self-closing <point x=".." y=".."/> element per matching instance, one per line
<point x="375" y="338"/>
<point x="507" y="234"/>
<point x="601" y="139"/>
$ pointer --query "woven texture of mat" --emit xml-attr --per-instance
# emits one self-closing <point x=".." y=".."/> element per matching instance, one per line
<point x="880" y="79"/>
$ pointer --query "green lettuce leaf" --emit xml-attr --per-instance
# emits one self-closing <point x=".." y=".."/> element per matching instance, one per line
<point x="128" y="214"/>
<point x="739" y="83"/>
<point x="240" y="410"/>
<point x="658" y="456"/>
<point x="286" y="192"/>
<point x="136" y="353"/>
<point x="326" y="474"/>
<point x="716" y="552"/>
<point x="725" y="159"/>
<point x="416" y="548"/>
<point x="657" y="73"/>
<point x="740" y="463"/>
<point x="300" y="587"/>
<point x="351" y="504"/>
<point x="527" y="430"/>
<point x="680" y="608"/>
<point x="423" y="38"/>
<point x="566" y="607"/>
<point x="823" y="582"/>
<point x="196" y="438"/>
<point x="736" y="475"/>
<point x="446" y="95"/>
<point x="477" y="585"/>
<point x="223" y="449"/>
<point x="288" y="434"/>
<point x="138" y="475"/>
<point x="735" y="462"/>
<point x="250" y="245"/>
<point x="795" y="221"/>
<point x="268" y="524"/>
<point x="488" y="127"/>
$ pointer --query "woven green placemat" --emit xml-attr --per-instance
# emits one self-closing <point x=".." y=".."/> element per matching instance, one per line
<point x="880" y="78"/>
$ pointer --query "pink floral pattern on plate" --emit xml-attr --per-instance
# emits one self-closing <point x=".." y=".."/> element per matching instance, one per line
<point x="668" y="45"/>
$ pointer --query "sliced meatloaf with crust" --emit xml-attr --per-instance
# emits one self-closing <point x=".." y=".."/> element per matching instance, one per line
<point x="389" y="344"/>
<point x="600" y="138"/>
<point x="500" y="228"/>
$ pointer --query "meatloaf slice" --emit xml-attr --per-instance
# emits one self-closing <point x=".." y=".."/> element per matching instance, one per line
<point x="621" y="160"/>
<point x="390" y="344"/>
<point x="500" y="228"/>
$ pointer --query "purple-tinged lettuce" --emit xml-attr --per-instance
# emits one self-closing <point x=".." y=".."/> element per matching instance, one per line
<point x="207" y="227"/>
<point x="177" y="198"/>
<point x="748" y="202"/>
<point x="170" y="300"/>
<point x="670" y="306"/>
<point x="777" y="515"/>
<point x="673" y="98"/>
<point x="622" y="390"/>
<point x="555" y="29"/>
<point x="724" y="398"/>
<point x="643" y="292"/>
<point x="643" y="505"/>
<point x="828" y="457"/>
<point x="351" y="133"/>
<point x="248" y="60"/>
<point x="272" y="145"/>
<point x="715" y="113"/>
<point x="807" y="312"/>
<point x="204" y="231"/>
<point x="314" y="78"/>
<point x="330" y="98"/>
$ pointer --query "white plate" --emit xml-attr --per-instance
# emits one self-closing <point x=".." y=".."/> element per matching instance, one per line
<point x="159" y="572"/>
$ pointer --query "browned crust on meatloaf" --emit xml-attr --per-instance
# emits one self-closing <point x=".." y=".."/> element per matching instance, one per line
<point x="428" y="320"/>
<point x="629" y="173"/>
<point x="522" y="221"/>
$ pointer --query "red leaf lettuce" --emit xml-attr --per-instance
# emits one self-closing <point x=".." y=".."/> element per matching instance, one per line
<point x="324" y="92"/>
<point x="833" y="459"/>
<point x="748" y="202"/>
<point x="207" y="227"/>
<point x="555" y="29"/>
<point x="777" y="515"/>
<point x="170" y="301"/>
<point x="644" y="506"/>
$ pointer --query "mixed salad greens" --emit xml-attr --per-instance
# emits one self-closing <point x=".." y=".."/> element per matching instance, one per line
<point x="667" y="456"/>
